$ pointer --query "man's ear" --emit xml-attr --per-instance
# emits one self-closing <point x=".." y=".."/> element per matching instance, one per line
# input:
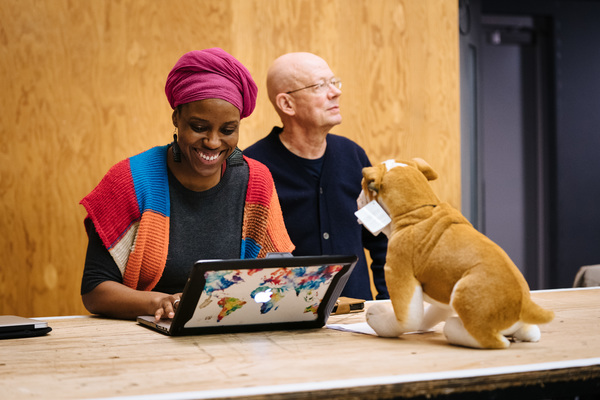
<point x="285" y="103"/>
<point x="426" y="169"/>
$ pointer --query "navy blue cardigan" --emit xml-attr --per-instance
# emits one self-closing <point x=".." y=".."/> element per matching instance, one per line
<point x="319" y="214"/>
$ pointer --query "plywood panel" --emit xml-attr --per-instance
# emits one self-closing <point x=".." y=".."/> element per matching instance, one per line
<point x="82" y="87"/>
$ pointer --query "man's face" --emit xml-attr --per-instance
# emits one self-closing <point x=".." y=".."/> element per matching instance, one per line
<point x="317" y="107"/>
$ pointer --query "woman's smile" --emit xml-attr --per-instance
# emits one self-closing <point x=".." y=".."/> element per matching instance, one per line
<point x="208" y="134"/>
<point x="207" y="156"/>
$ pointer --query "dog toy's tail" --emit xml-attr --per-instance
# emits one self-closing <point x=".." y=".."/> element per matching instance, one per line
<point x="532" y="313"/>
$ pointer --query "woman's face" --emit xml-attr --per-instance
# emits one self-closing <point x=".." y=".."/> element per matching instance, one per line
<point x="208" y="134"/>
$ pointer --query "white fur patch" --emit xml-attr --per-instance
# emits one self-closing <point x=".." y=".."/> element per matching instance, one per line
<point x="381" y="317"/>
<point x="389" y="164"/>
<point x="457" y="334"/>
<point x="528" y="333"/>
<point x="510" y="331"/>
<point x="434" y="315"/>
<point x="416" y="311"/>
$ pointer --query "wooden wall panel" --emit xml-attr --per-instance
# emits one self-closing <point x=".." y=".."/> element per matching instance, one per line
<point x="82" y="87"/>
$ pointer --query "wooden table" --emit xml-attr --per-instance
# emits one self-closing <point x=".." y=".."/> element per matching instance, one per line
<point x="89" y="357"/>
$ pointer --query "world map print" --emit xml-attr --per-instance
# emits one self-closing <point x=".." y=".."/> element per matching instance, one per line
<point x="229" y="305"/>
<point x="266" y="290"/>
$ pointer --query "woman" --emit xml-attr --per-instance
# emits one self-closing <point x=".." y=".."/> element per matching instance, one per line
<point x="154" y="214"/>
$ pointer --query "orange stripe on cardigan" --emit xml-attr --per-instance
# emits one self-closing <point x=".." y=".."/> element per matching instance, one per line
<point x="149" y="256"/>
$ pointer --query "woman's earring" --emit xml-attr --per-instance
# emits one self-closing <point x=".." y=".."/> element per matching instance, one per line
<point x="175" y="148"/>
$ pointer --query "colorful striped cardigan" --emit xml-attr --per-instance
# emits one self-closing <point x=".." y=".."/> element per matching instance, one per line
<point x="130" y="209"/>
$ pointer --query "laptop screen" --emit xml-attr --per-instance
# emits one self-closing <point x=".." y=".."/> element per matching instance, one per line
<point x="262" y="296"/>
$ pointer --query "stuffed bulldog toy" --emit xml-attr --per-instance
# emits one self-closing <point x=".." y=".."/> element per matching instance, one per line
<point x="435" y="255"/>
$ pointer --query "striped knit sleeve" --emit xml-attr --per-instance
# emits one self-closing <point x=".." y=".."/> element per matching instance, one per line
<point x="130" y="211"/>
<point x="112" y="206"/>
<point x="276" y="230"/>
<point x="263" y="229"/>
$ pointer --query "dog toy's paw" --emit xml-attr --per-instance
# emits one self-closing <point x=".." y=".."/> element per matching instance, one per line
<point x="528" y="333"/>
<point x="382" y="319"/>
<point x="457" y="334"/>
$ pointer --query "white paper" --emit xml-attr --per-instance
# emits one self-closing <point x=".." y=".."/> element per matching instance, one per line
<point x="361" y="327"/>
<point x="373" y="217"/>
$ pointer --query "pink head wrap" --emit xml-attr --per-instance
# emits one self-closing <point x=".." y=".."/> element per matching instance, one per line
<point x="211" y="74"/>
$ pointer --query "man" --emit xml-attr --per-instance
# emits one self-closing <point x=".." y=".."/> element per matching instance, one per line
<point x="318" y="174"/>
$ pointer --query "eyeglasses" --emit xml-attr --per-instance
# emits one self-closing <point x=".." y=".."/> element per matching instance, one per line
<point x="322" y="86"/>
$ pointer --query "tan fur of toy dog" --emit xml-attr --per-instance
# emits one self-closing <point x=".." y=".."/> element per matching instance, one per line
<point x="435" y="254"/>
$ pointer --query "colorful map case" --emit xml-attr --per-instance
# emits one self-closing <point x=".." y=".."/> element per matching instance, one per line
<point x="261" y="294"/>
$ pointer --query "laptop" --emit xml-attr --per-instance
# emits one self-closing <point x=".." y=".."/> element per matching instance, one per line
<point x="272" y="293"/>
<point x="12" y="327"/>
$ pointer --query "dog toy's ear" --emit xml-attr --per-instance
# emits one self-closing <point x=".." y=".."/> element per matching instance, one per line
<point x="372" y="178"/>
<point x="426" y="169"/>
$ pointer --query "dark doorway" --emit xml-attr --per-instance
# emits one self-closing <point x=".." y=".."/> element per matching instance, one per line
<point x="515" y="139"/>
<point x="506" y="129"/>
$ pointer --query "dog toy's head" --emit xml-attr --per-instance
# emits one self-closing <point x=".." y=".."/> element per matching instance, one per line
<point x="400" y="186"/>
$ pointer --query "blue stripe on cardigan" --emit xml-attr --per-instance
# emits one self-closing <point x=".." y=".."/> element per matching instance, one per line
<point x="250" y="248"/>
<point x="150" y="180"/>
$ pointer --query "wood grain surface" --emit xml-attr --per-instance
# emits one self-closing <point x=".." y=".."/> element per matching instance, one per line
<point x="93" y="357"/>
<point x="82" y="87"/>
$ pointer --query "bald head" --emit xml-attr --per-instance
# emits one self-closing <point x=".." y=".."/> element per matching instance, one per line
<point x="294" y="70"/>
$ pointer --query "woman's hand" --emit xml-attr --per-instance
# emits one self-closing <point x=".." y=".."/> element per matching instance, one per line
<point x="165" y="309"/>
<point x="115" y="300"/>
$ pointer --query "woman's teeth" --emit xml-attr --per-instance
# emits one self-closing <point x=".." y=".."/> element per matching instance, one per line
<point x="208" y="157"/>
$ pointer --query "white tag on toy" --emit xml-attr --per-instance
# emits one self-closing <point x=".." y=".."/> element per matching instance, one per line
<point x="373" y="217"/>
